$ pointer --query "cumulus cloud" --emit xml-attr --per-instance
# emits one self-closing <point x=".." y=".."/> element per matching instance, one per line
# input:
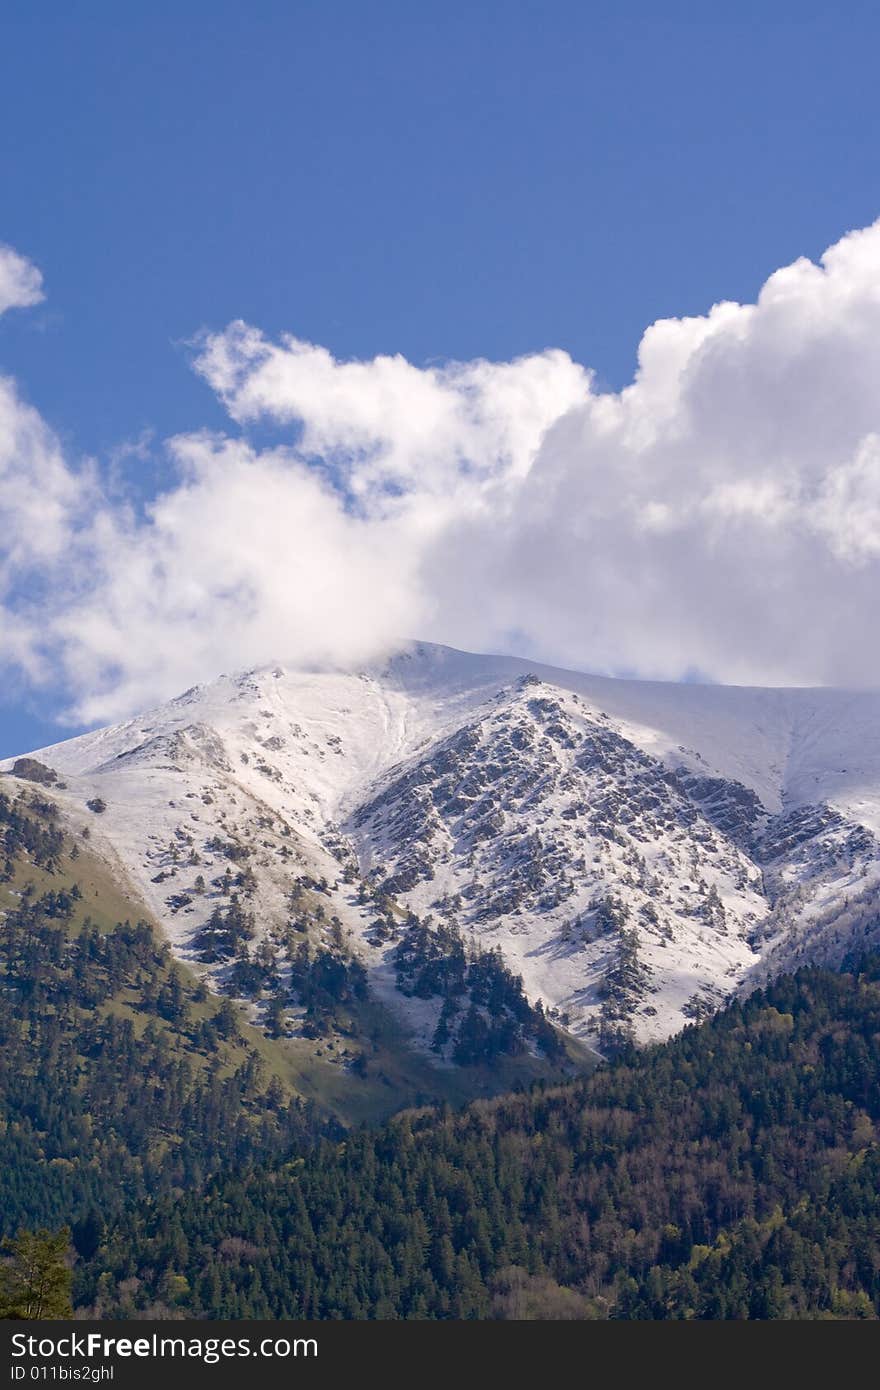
<point x="721" y="514"/>
<point x="21" y="283"/>
<point x="250" y="558"/>
<point x="387" y="426"/>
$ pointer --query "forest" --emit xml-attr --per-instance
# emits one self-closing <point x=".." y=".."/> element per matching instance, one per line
<point x="730" y="1173"/>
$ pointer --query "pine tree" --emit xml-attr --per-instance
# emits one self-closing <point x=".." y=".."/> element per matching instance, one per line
<point x="35" y="1278"/>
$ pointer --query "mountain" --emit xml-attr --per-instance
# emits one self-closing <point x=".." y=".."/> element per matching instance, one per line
<point x="426" y="830"/>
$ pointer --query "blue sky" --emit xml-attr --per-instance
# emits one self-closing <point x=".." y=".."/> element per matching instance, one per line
<point x="436" y="180"/>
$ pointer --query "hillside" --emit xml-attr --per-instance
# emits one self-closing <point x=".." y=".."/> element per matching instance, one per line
<point x="123" y="1075"/>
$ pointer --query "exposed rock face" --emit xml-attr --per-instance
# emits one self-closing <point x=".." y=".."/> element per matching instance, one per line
<point x="540" y="826"/>
<point x="34" y="771"/>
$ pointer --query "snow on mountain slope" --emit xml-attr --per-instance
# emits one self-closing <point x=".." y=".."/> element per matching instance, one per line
<point x="636" y="850"/>
<point x="540" y="828"/>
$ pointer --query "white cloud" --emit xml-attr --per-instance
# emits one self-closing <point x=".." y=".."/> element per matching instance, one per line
<point x="41" y="502"/>
<point x="386" y="424"/>
<point x="21" y="284"/>
<point x="250" y="557"/>
<point x="720" y="514"/>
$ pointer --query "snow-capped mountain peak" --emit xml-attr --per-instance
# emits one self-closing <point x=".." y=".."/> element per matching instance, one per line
<point x="636" y="850"/>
